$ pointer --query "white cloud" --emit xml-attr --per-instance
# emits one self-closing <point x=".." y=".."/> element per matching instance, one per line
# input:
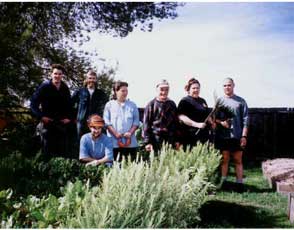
<point x="261" y="64"/>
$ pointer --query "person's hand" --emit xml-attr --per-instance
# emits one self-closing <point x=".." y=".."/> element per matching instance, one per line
<point x="213" y="125"/>
<point x="149" y="148"/>
<point x="118" y="135"/>
<point x="127" y="135"/>
<point x="177" y="145"/>
<point x="93" y="163"/>
<point x="243" y="142"/>
<point x="201" y="125"/>
<point x="65" y="121"/>
<point x="225" y="124"/>
<point x="46" y="120"/>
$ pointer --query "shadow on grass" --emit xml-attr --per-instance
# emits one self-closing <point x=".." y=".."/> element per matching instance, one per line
<point x="233" y="187"/>
<point x="220" y="214"/>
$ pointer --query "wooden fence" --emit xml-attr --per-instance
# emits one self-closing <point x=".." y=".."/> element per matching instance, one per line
<point x="270" y="133"/>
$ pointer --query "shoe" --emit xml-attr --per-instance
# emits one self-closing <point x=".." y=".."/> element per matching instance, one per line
<point x="240" y="187"/>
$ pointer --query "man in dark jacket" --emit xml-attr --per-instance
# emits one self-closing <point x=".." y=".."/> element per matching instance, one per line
<point x="51" y="104"/>
<point x="87" y="101"/>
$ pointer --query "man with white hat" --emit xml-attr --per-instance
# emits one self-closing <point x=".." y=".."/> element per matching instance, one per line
<point x="160" y="122"/>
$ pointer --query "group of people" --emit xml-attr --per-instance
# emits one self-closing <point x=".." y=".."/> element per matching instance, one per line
<point x="164" y="122"/>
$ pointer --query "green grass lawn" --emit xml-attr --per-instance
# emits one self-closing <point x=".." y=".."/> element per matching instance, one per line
<point x="258" y="207"/>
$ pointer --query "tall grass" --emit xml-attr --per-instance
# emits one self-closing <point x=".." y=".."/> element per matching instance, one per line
<point x="164" y="192"/>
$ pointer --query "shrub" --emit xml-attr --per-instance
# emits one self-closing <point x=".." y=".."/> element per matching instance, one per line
<point x="38" y="177"/>
<point x="164" y="192"/>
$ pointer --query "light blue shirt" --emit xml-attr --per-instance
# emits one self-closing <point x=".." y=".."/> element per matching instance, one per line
<point x="121" y="117"/>
<point x="97" y="148"/>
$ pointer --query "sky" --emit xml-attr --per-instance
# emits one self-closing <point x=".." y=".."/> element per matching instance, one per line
<point x="253" y="43"/>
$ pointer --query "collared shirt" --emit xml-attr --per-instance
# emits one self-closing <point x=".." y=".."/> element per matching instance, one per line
<point x="121" y="116"/>
<point x="97" y="148"/>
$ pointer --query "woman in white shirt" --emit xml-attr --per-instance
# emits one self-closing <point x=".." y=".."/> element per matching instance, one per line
<point x="122" y="120"/>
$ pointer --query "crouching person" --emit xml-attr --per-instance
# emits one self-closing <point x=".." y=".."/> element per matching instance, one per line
<point x="95" y="147"/>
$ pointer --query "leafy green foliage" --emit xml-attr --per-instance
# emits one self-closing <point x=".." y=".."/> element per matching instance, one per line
<point x="155" y="193"/>
<point x="19" y="136"/>
<point x="38" y="177"/>
<point x="48" y="211"/>
<point x="36" y="34"/>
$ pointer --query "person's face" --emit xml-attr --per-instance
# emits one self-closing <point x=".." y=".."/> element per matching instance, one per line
<point x="91" y="81"/>
<point x="228" y="87"/>
<point x="122" y="93"/>
<point x="162" y="93"/>
<point x="56" y="75"/>
<point x="95" y="131"/>
<point x="194" y="90"/>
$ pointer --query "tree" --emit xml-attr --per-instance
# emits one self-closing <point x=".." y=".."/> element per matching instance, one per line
<point x="35" y="35"/>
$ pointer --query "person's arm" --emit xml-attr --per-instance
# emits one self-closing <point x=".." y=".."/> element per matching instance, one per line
<point x="35" y="103"/>
<point x="226" y="124"/>
<point x="84" y="155"/>
<point x="136" y="123"/>
<point x="245" y="125"/>
<point x="69" y="115"/>
<point x="147" y="130"/>
<point x="94" y="162"/>
<point x="187" y="121"/>
<point x="87" y="159"/>
<point x="108" y="157"/>
<point x="75" y="102"/>
<point x="147" y="124"/>
<point x="108" y="123"/>
<point x="114" y="132"/>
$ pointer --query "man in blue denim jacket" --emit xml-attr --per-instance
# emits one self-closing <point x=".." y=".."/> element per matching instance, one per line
<point x="87" y="101"/>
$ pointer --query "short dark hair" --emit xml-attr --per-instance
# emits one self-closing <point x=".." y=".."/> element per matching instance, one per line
<point x="116" y="87"/>
<point x="229" y="79"/>
<point x="57" y="66"/>
<point x="191" y="82"/>
<point x="92" y="73"/>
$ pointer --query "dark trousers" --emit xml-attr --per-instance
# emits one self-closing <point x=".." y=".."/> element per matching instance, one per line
<point x="190" y="139"/>
<point x="82" y="128"/>
<point x="124" y="152"/>
<point x="55" y="139"/>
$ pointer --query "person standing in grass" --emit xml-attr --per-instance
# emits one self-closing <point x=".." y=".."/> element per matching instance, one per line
<point x="160" y="122"/>
<point x="87" y="101"/>
<point x="95" y="147"/>
<point x="193" y="111"/>
<point x="51" y="104"/>
<point x="232" y="130"/>
<point x="122" y="120"/>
